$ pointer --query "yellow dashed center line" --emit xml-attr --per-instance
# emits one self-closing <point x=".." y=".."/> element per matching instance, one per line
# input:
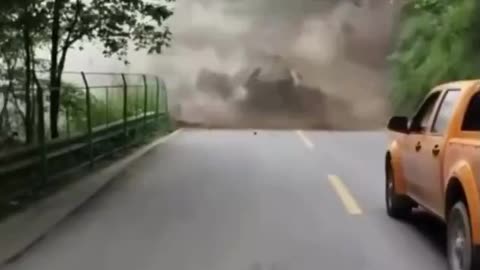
<point x="308" y="143"/>
<point x="342" y="191"/>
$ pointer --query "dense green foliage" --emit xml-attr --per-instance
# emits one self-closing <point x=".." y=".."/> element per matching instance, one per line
<point x="438" y="42"/>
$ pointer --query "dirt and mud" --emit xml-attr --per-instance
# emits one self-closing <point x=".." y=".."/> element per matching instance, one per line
<point x="280" y="63"/>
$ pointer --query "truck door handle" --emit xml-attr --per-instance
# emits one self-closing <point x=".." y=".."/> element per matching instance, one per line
<point x="418" y="147"/>
<point x="436" y="150"/>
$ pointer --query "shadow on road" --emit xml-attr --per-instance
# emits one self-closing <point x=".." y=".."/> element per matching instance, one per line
<point x="430" y="228"/>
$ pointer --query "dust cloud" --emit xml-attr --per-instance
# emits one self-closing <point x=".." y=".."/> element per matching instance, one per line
<point x="279" y="63"/>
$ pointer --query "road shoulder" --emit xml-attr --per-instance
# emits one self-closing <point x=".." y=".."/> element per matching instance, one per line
<point x="20" y="232"/>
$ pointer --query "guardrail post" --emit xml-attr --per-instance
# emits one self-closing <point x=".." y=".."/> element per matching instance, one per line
<point x="136" y="101"/>
<point x="145" y="104"/>
<point x="165" y="96"/>
<point x="165" y="102"/>
<point x="89" y="120"/>
<point x="41" y="136"/>
<point x="157" y="104"/>
<point x="125" y="111"/>
<point x="67" y="115"/>
<point x="107" y="117"/>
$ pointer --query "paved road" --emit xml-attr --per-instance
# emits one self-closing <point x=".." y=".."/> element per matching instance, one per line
<point x="232" y="200"/>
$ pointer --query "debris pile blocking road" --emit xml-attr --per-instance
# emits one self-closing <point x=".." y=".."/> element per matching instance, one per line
<point x="271" y="95"/>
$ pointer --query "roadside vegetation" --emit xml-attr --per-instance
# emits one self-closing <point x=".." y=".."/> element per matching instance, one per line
<point x="437" y="42"/>
<point x="30" y="29"/>
<point x="47" y="135"/>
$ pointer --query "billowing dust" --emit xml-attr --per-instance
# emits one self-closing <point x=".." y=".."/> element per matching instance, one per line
<point x="279" y="63"/>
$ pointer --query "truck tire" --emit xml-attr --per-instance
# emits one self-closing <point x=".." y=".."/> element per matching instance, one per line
<point x="461" y="252"/>
<point x="398" y="206"/>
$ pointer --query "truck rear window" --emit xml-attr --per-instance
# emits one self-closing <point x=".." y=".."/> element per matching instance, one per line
<point x="446" y="110"/>
<point x="471" y="120"/>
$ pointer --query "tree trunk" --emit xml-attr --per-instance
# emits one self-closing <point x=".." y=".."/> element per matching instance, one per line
<point x="4" y="109"/>
<point x="28" y="75"/>
<point x="34" y="93"/>
<point x="54" y="78"/>
<point x="41" y="113"/>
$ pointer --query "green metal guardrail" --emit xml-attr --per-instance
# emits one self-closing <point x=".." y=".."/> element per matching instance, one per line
<point x="102" y="113"/>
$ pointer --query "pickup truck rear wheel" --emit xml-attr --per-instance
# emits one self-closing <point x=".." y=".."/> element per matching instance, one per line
<point x="398" y="206"/>
<point x="462" y="254"/>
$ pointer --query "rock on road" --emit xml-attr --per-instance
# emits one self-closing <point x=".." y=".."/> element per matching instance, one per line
<point x="233" y="200"/>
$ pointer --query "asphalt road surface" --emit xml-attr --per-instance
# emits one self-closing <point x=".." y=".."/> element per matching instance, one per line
<point x="233" y="200"/>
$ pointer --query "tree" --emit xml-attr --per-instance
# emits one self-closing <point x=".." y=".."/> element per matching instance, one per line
<point x="438" y="42"/>
<point x="116" y="24"/>
<point x="22" y="29"/>
<point x="61" y="25"/>
<point x="11" y="54"/>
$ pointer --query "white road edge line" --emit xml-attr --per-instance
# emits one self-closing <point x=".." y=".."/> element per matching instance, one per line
<point x="165" y="138"/>
<point x="153" y="144"/>
<point x="308" y="143"/>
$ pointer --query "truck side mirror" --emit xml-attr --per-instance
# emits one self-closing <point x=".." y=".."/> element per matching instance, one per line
<point x="398" y="124"/>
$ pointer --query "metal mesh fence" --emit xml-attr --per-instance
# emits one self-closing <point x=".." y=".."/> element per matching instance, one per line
<point x="98" y="114"/>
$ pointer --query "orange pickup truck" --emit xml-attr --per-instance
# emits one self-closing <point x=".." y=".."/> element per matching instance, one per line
<point x="433" y="161"/>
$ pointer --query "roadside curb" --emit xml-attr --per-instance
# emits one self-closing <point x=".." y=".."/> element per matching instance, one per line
<point x="20" y="232"/>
